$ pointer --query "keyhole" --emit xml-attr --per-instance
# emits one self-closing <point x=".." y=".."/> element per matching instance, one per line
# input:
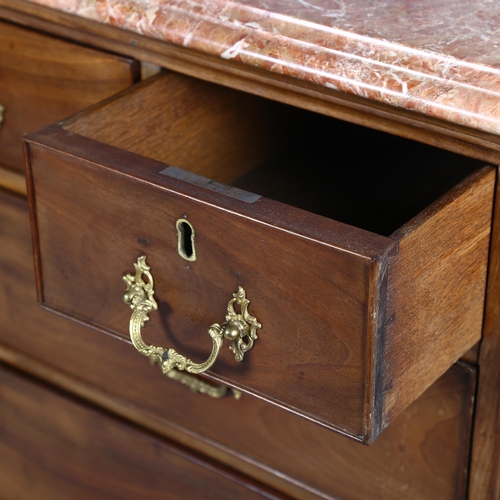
<point x="185" y="240"/>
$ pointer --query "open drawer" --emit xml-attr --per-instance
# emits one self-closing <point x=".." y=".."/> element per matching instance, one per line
<point x="364" y="299"/>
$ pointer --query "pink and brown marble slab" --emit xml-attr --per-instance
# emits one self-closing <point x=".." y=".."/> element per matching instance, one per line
<point x="440" y="58"/>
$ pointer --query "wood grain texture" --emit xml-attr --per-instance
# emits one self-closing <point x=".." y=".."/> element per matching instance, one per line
<point x="441" y="265"/>
<point x="325" y="357"/>
<point x="485" y="465"/>
<point x="53" y="447"/>
<point x="44" y="79"/>
<point x="422" y="455"/>
<point x="206" y="129"/>
<point x="289" y="90"/>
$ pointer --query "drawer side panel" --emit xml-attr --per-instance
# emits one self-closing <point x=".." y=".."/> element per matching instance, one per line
<point x="437" y="288"/>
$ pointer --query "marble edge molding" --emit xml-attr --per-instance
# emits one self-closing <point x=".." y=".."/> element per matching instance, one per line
<point x="430" y="83"/>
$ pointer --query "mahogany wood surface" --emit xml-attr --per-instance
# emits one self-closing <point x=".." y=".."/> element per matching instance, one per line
<point x="485" y="465"/>
<point x="54" y="447"/>
<point x="396" y="121"/>
<point x="422" y="455"/>
<point x="206" y="129"/>
<point x="331" y="351"/>
<point x="45" y="79"/>
<point x="441" y="265"/>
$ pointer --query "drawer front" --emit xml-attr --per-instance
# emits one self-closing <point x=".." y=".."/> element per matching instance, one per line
<point x="43" y="80"/>
<point x="355" y="325"/>
<point x="424" y="453"/>
<point x="53" y="447"/>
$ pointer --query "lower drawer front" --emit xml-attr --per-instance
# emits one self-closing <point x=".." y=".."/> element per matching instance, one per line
<point x="423" y="455"/>
<point x="53" y="447"/>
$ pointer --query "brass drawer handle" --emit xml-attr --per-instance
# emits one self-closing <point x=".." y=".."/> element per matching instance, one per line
<point x="240" y="329"/>
<point x="2" y="109"/>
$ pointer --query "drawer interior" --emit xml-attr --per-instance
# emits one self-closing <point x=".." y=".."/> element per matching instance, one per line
<point x="362" y="177"/>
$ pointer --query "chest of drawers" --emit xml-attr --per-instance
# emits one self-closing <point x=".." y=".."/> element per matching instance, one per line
<point x="439" y="254"/>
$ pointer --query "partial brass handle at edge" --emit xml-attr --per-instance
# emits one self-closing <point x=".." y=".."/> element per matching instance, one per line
<point x="202" y="387"/>
<point x="2" y="109"/>
<point x="240" y="329"/>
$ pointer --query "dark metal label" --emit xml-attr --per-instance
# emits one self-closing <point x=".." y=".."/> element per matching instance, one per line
<point x="217" y="187"/>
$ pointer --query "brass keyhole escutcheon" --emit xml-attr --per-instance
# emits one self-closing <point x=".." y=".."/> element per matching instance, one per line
<point x="239" y="328"/>
<point x="185" y="240"/>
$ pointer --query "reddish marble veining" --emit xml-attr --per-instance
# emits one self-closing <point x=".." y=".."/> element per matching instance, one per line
<point x="437" y="57"/>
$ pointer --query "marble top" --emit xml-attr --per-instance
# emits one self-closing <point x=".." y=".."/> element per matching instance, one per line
<point x="440" y="58"/>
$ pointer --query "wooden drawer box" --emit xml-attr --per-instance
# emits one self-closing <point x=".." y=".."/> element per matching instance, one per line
<point x="53" y="447"/>
<point x="361" y="310"/>
<point x="44" y="79"/>
<point x="422" y="455"/>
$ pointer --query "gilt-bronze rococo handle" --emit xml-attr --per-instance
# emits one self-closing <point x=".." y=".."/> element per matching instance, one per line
<point x="239" y="328"/>
<point x="200" y="386"/>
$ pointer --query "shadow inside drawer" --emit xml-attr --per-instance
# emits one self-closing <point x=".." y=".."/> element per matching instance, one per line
<point x="362" y="177"/>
